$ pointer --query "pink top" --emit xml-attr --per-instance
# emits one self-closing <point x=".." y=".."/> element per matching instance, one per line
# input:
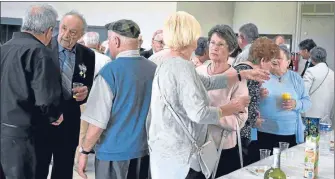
<point x="229" y="123"/>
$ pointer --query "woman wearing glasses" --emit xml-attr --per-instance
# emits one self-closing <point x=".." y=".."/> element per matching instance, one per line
<point x="284" y="98"/>
<point x="172" y="154"/>
<point x="222" y="42"/>
<point x="261" y="52"/>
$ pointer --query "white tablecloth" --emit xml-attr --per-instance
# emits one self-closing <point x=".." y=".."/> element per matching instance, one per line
<point x="292" y="166"/>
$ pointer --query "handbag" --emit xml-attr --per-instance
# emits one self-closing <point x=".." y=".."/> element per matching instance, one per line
<point x="311" y="93"/>
<point x="207" y="153"/>
<point x="239" y="144"/>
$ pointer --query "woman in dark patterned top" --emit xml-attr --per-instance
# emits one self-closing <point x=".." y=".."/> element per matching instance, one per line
<point x="262" y="51"/>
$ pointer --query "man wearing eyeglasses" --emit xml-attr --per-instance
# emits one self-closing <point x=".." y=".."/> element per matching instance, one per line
<point x="75" y="65"/>
<point x="247" y="34"/>
<point x="157" y="44"/>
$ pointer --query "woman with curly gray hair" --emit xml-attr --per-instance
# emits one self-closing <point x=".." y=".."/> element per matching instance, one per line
<point x="222" y="42"/>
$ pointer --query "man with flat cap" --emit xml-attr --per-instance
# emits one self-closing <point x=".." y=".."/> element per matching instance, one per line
<point x="122" y="89"/>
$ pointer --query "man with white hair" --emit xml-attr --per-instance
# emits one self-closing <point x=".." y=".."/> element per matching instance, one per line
<point x="76" y="72"/>
<point x="30" y="91"/>
<point x="92" y="41"/>
<point x="157" y="44"/>
<point x="123" y="91"/>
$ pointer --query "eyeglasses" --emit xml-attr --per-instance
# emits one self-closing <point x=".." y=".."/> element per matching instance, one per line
<point x="220" y="45"/>
<point x="160" y="41"/>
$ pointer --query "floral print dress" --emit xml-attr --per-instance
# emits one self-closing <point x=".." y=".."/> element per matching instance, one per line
<point x="254" y="93"/>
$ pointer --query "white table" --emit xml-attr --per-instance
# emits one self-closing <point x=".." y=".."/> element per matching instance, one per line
<point x="293" y="166"/>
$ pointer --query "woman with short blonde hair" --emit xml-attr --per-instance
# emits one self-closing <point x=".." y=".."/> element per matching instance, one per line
<point x="172" y="153"/>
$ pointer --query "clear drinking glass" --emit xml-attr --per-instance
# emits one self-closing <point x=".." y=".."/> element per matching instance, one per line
<point x="283" y="148"/>
<point x="74" y="86"/>
<point x="331" y="142"/>
<point x="264" y="153"/>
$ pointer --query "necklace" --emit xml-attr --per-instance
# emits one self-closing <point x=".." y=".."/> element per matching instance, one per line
<point x="280" y="78"/>
<point x="211" y="71"/>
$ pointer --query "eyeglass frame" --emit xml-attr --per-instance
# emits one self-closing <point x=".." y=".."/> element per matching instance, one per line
<point x="219" y="45"/>
<point x="160" y="41"/>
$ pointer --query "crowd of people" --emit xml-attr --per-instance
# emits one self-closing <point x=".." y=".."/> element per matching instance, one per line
<point x="145" y="113"/>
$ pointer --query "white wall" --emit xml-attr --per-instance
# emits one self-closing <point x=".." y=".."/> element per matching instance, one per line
<point x="270" y="17"/>
<point x="149" y="15"/>
<point x="209" y="13"/>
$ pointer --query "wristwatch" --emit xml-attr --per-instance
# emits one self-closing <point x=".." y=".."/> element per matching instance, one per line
<point x="239" y="76"/>
<point x="81" y="150"/>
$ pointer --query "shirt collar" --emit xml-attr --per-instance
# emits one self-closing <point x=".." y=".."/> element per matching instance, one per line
<point x="61" y="49"/>
<point x="129" y="53"/>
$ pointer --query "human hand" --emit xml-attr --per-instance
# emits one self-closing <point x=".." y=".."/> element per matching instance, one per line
<point x="238" y="105"/>
<point x="80" y="93"/>
<point x="264" y="92"/>
<point x="82" y="163"/>
<point x="59" y="121"/>
<point x="289" y="104"/>
<point x="255" y="74"/>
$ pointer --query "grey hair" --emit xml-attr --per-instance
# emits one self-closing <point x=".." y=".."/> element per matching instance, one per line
<point x="286" y="51"/>
<point x="226" y="33"/>
<point x="81" y="17"/>
<point x="39" y="18"/>
<point x="318" y="54"/>
<point x="249" y="32"/>
<point x="91" y="38"/>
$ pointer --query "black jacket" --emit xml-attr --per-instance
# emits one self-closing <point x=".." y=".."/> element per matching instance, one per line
<point x="30" y="89"/>
<point x="147" y="53"/>
<point x="71" y="108"/>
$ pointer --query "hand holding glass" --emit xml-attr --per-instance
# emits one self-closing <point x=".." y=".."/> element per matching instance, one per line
<point x="76" y="85"/>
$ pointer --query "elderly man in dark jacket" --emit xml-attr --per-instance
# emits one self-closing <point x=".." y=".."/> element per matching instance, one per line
<point x="30" y="91"/>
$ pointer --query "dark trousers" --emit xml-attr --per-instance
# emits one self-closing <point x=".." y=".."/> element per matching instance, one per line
<point x="251" y="153"/>
<point x="2" y="175"/>
<point x="269" y="141"/>
<point x="59" y="142"/>
<point x="192" y="174"/>
<point x="18" y="157"/>
<point x="229" y="162"/>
